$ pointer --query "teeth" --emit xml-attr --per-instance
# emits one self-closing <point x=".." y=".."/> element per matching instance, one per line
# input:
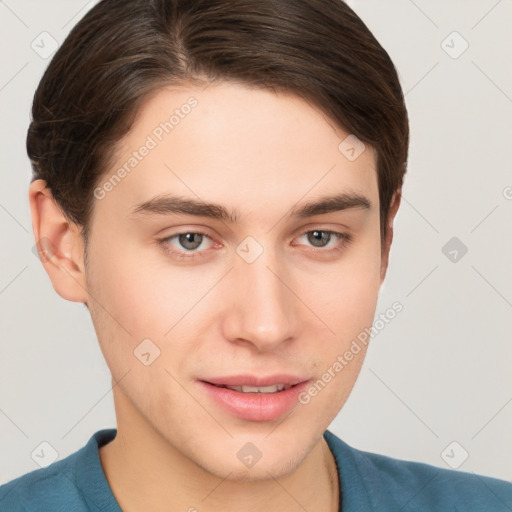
<point x="262" y="389"/>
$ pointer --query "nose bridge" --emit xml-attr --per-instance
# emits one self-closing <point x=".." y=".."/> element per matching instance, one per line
<point x="263" y="310"/>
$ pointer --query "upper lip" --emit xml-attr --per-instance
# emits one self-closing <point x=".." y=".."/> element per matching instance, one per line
<point x="256" y="381"/>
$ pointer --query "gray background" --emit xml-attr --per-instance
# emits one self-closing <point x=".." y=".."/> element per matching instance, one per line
<point x="438" y="373"/>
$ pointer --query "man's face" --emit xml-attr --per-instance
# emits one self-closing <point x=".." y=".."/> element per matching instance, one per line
<point x="273" y="295"/>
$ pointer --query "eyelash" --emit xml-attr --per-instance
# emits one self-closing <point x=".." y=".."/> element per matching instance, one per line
<point x="344" y="238"/>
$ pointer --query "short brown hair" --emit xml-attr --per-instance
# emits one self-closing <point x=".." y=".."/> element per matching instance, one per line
<point x="123" y="50"/>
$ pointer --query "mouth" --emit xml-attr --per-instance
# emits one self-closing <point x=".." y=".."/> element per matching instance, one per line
<point x="257" y="389"/>
<point x="254" y="398"/>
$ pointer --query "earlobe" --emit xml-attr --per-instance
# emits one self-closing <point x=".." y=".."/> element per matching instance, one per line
<point x="59" y="244"/>
<point x="386" y="246"/>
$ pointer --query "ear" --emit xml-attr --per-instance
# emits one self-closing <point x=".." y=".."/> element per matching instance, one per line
<point x="386" y="246"/>
<point x="59" y="244"/>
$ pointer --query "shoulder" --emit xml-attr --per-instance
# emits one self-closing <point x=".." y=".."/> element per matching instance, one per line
<point x="415" y="486"/>
<point x="51" y="485"/>
<point x="56" y="487"/>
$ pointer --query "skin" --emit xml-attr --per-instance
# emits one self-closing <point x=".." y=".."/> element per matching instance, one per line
<point x="293" y="310"/>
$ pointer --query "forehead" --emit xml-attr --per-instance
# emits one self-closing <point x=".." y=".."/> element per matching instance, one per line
<point x="251" y="149"/>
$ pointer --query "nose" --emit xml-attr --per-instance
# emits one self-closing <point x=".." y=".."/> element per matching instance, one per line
<point x="262" y="309"/>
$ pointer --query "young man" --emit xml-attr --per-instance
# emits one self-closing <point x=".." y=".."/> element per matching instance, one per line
<point x="217" y="181"/>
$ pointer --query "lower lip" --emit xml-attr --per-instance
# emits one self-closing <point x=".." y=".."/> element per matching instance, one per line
<point x="255" y="406"/>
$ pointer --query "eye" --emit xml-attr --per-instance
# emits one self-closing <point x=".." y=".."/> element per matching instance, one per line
<point x="185" y="245"/>
<point x="320" y="238"/>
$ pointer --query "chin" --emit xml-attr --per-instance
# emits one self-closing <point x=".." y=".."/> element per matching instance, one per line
<point x="274" y="464"/>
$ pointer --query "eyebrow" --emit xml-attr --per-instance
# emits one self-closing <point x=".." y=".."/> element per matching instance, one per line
<point x="170" y="204"/>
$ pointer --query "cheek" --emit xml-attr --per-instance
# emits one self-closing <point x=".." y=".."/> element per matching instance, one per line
<point x="346" y="300"/>
<point x="345" y="295"/>
<point x="135" y="303"/>
<point x="121" y="304"/>
<point x="139" y="293"/>
<point x="139" y="296"/>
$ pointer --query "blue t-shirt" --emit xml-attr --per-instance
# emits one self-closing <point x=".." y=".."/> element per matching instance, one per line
<point x="368" y="482"/>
